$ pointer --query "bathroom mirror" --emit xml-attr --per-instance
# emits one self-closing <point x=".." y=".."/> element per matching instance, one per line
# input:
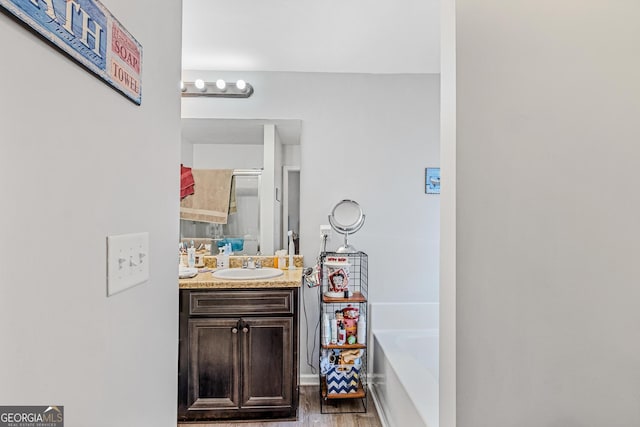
<point x="346" y="218"/>
<point x="265" y="157"/>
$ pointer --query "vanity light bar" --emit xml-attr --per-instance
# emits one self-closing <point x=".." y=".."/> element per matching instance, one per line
<point x="219" y="88"/>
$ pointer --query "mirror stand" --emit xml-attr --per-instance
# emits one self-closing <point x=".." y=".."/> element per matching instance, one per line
<point x="346" y="218"/>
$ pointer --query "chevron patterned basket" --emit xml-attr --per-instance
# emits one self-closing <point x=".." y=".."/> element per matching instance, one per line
<point x="343" y="379"/>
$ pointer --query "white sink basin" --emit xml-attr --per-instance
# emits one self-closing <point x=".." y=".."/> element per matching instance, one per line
<point x="247" y="273"/>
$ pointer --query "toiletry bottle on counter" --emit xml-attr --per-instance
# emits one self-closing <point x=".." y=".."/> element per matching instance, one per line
<point x="334" y="331"/>
<point x="342" y="334"/>
<point x="282" y="259"/>
<point x="362" y="330"/>
<point x="191" y="255"/>
<point x="326" y="329"/>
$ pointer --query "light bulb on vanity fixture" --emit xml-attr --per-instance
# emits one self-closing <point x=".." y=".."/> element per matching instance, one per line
<point x="218" y="88"/>
<point x="200" y="85"/>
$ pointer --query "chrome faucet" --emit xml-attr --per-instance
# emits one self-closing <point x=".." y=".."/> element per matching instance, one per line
<point x="251" y="263"/>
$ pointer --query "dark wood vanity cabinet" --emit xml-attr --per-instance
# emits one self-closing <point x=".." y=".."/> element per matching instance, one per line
<point x="238" y="354"/>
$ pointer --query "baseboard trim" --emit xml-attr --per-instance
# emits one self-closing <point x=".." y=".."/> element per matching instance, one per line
<point x="309" y="379"/>
<point x="376" y="402"/>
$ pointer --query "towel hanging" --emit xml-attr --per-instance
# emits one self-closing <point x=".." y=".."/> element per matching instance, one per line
<point x="210" y="201"/>
<point x="186" y="182"/>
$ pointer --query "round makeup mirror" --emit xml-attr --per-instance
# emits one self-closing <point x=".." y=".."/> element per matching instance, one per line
<point x="346" y="218"/>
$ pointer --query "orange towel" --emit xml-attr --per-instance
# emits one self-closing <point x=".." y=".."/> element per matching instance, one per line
<point x="187" y="184"/>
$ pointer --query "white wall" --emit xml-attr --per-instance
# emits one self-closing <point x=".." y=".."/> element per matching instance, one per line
<point x="447" y="346"/>
<point x="365" y="137"/>
<point x="291" y="154"/>
<point x="74" y="168"/>
<point x="228" y="156"/>
<point x="186" y="153"/>
<point x="548" y="207"/>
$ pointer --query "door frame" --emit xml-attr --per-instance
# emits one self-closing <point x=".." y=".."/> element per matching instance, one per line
<point x="286" y="170"/>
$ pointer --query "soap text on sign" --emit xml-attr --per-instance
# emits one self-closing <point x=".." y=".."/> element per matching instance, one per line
<point x="125" y="48"/>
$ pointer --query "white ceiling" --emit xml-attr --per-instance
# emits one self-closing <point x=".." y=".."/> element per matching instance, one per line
<point x="353" y="36"/>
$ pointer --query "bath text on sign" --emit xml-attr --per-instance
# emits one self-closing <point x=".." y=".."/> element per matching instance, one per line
<point x="67" y="22"/>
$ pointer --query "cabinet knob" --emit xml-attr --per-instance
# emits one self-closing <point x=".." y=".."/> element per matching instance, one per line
<point x="234" y="330"/>
<point x="245" y="329"/>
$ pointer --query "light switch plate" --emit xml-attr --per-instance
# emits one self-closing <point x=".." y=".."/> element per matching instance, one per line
<point x="127" y="261"/>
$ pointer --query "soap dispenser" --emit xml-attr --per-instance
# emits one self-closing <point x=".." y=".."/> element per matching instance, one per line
<point x="222" y="259"/>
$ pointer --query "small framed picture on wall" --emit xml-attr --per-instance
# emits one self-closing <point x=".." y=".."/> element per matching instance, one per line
<point x="432" y="180"/>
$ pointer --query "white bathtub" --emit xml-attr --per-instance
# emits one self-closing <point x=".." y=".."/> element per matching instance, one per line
<point x="404" y="383"/>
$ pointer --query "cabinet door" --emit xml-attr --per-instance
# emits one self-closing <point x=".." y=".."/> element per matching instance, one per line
<point x="268" y="369"/>
<point x="214" y="365"/>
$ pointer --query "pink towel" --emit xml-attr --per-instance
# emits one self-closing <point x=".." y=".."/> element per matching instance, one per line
<point x="187" y="183"/>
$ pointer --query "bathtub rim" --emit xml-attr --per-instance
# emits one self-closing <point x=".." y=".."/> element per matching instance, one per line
<point x="430" y="414"/>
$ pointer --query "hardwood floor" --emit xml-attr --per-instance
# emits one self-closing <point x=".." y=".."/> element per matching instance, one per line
<point x="309" y="415"/>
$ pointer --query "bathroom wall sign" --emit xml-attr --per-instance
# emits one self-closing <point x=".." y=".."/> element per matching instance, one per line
<point x="432" y="180"/>
<point x="86" y="31"/>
